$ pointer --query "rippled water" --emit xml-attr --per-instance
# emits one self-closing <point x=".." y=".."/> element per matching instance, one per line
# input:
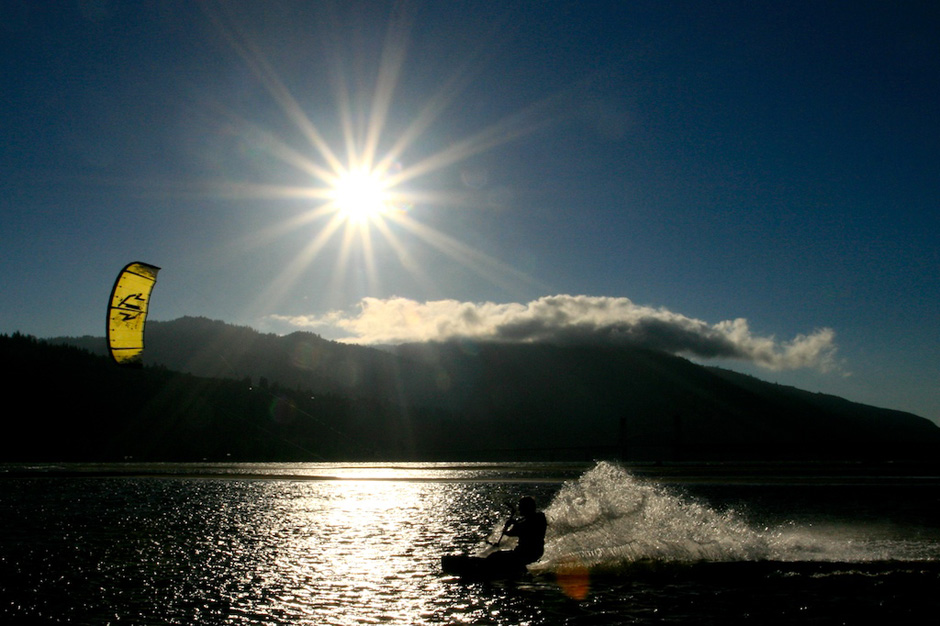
<point x="360" y="544"/>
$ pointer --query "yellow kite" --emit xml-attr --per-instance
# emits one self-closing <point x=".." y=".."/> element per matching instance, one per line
<point x="127" y="312"/>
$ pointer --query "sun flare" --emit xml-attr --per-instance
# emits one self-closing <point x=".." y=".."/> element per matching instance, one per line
<point x="364" y="190"/>
<point x="360" y="196"/>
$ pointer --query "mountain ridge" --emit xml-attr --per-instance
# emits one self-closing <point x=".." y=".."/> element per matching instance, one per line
<point x="540" y="400"/>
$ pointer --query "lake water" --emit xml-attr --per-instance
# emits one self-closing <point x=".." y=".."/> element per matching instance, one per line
<point x="361" y="544"/>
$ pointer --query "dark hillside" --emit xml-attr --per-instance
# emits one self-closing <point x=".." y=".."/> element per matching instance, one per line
<point x="653" y="405"/>
<point x="469" y="400"/>
<point x="76" y="406"/>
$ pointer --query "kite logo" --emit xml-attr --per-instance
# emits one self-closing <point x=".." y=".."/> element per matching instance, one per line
<point x="135" y="310"/>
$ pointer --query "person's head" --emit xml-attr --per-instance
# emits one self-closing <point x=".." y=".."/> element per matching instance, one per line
<point x="527" y="505"/>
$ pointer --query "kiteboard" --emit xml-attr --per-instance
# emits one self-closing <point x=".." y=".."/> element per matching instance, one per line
<point x="479" y="568"/>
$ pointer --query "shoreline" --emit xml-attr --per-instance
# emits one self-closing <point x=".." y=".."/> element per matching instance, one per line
<point x="771" y="472"/>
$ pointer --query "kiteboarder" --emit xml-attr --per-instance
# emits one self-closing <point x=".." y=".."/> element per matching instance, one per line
<point x="530" y="529"/>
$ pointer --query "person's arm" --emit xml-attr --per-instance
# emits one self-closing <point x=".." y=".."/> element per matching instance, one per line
<point x="515" y="527"/>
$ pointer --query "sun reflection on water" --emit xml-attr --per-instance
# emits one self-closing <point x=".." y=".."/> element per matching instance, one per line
<point x="362" y="548"/>
<point x="288" y="547"/>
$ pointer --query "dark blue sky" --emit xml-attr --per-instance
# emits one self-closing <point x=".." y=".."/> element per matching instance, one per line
<point x="682" y="164"/>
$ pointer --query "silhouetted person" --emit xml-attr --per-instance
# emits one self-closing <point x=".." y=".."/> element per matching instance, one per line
<point x="530" y="529"/>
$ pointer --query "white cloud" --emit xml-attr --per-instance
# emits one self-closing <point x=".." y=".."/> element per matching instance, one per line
<point x="565" y="319"/>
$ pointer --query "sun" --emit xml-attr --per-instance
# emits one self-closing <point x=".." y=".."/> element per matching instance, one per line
<point x="360" y="195"/>
<point x="368" y="200"/>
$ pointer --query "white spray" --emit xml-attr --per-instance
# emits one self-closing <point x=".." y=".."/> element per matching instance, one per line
<point x="608" y="517"/>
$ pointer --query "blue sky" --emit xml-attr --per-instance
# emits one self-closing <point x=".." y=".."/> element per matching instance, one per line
<point x="748" y="184"/>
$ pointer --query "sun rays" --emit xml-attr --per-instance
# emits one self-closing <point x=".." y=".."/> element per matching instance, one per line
<point x="360" y="195"/>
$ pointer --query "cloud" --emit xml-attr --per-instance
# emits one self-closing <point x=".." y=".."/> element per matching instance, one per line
<point x="567" y="320"/>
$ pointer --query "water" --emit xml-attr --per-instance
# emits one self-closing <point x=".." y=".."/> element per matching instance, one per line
<point x="361" y="544"/>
